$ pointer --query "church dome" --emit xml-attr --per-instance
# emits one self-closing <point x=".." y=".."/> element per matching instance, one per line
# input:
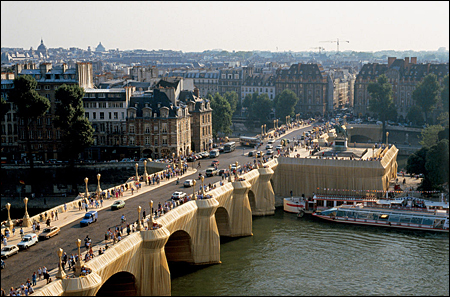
<point x="100" y="48"/>
<point x="42" y="48"/>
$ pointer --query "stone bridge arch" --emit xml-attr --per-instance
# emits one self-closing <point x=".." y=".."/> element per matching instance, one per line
<point x="179" y="247"/>
<point x="122" y="283"/>
<point x="223" y="221"/>
<point x="252" y="200"/>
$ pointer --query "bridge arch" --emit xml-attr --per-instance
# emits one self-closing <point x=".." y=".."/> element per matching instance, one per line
<point x="252" y="200"/>
<point x="223" y="221"/>
<point x="179" y="247"/>
<point x="119" y="284"/>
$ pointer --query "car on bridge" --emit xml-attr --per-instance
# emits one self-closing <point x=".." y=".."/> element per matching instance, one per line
<point x="269" y="146"/>
<point x="49" y="232"/>
<point x="27" y="241"/>
<point x="223" y="171"/>
<point x="89" y="217"/>
<point x="178" y="195"/>
<point x="211" y="171"/>
<point x="215" y="162"/>
<point x="279" y="147"/>
<point x="9" y="250"/>
<point x="188" y="183"/>
<point x="271" y="141"/>
<point x="118" y="205"/>
<point x="251" y="153"/>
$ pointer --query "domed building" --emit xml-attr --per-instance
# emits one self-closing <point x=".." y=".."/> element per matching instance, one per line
<point x="42" y="48"/>
<point x="100" y="48"/>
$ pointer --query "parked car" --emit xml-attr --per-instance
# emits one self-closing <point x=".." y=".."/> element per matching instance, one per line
<point x="188" y="183"/>
<point x="9" y="250"/>
<point x="89" y="217"/>
<point x="271" y="141"/>
<point x="126" y="160"/>
<point x="118" y="204"/>
<point x="215" y="162"/>
<point x="204" y="154"/>
<point x="49" y="232"/>
<point x="190" y="158"/>
<point x="178" y="195"/>
<point x="269" y="152"/>
<point x="211" y="171"/>
<point x="27" y="241"/>
<point x="269" y="146"/>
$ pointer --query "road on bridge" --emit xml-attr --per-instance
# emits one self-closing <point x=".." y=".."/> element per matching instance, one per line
<point x="21" y="266"/>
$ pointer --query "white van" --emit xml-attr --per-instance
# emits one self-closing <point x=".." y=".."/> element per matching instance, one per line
<point x="27" y="241"/>
<point x="214" y="153"/>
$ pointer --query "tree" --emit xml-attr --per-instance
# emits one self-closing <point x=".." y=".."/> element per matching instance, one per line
<point x="285" y="103"/>
<point x="381" y="101"/>
<point x="76" y="130"/>
<point x="30" y="106"/>
<point x="232" y="98"/>
<point x="258" y="108"/>
<point x="445" y="95"/>
<point x="426" y="94"/>
<point x="429" y="135"/>
<point x="221" y="114"/>
<point x="415" y="115"/>
<point x="416" y="162"/>
<point x="437" y="164"/>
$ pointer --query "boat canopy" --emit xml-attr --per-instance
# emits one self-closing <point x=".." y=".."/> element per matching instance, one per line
<point x="435" y="204"/>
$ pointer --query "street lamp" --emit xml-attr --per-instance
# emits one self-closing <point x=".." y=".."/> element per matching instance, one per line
<point x="86" y="194"/>
<point x="203" y="192"/>
<point x="9" y="223"/>
<point x="151" y="214"/>
<point x="145" y="172"/>
<point x="265" y="129"/>
<point x="99" y="190"/>
<point x="61" y="274"/>
<point x="229" y="173"/>
<point x="387" y="135"/>
<point x="193" y="191"/>
<point x="78" y="264"/>
<point x="26" y="218"/>
<point x="236" y="175"/>
<point x="262" y="131"/>
<point x="373" y="151"/>
<point x="139" y="228"/>
<point x="137" y="175"/>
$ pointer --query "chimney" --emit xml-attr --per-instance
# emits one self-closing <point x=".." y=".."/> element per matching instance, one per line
<point x="390" y="61"/>
<point x="64" y="67"/>
<point x="413" y="60"/>
<point x="196" y="92"/>
<point x="406" y="62"/>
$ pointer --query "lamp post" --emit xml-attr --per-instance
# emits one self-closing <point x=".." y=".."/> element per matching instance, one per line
<point x="61" y="274"/>
<point x="151" y="214"/>
<point x="137" y="175"/>
<point x="139" y="228"/>
<point x="262" y="131"/>
<point x="236" y="175"/>
<point x="387" y="135"/>
<point x="203" y="191"/>
<point x="193" y="190"/>
<point x="173" y="161"/>
<point x="274" y="121"/>
<point x="86" y="194"/>
<point x="9" y="223"/>
<point x="145" y="172"/>
<point x="26" y="218"/>
<point x="99" y="190"/>
<point x="373" y="151"/>
<point x="78" y="264"/>
<point x="265" y="129"/>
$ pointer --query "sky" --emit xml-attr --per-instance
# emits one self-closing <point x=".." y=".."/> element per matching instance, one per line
<point x="237" y="25"/>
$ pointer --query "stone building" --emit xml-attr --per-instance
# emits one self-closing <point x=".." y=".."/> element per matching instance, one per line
<point x="44" y="136"/>
<point x="309" y="82"/>
<point x="403" y="74"/>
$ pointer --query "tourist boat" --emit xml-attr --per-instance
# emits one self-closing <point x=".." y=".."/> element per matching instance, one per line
<point x="431" y="216"/>
<point x="302" y="206"/>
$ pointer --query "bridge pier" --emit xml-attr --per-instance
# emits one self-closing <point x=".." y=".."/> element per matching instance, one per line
<point x="206" y="243"/>
<point x="154" y="271"/>
<point x="265" y="202"/>
<point x="241" y="212"/>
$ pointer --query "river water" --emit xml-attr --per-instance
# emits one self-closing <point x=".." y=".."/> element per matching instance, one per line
<point x="291" y="256"/>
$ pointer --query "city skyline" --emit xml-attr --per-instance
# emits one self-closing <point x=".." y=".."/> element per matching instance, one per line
<point x="239" y="26"/>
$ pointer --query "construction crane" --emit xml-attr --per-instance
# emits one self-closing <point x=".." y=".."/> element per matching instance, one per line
<point x="337" y="42"/>
<point x="320" y="49"/>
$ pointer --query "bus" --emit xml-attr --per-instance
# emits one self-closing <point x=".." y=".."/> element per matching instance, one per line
<point x="249" y="141"/>
<point x="229" y="147"/>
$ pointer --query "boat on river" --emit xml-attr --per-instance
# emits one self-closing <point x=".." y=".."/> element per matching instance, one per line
<point x="302" y="205"/>
<point x="400" y="214"/>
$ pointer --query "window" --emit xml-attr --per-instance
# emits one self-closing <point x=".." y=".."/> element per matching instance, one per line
<point x="147" y="140"/>
<point x="164" y="140"/>
<point x="102" y="115"/>
<point x="38" y="87"/>
<point x="156" y="141"/>
<point x="147" y="128"/>
<point x="86" y="115"/>
<point x="116" y="115"/>
<point x="131" y="140"/>
<point x="46" y="87"/>
<point x="94" y="115"/>
<point x="131" y="128"/>
<point x="110" y="115"/>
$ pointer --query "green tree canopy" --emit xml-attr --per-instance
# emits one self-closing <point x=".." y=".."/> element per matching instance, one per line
<point x="258" y="107"/>
<point x="445" y="95"/>
<point x="415" y="115"/>
<point x="437" y="164"/>
<point x="381" y="102"/>
<point x="416" y="162"/>
<point x="221" y="115"/>
<point x="76" y="130"/>
<point x="232" y="98"/>
<point x="30" y="106"/>
<point x="285" y="103"/>
<point x="426" y="94"/>
<point x="429" y="135"/>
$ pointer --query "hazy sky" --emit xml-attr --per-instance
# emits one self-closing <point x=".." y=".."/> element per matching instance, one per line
<point x="198" y="26"/>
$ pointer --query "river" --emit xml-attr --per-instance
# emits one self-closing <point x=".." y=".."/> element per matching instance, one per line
<point x="291" y="256"/>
